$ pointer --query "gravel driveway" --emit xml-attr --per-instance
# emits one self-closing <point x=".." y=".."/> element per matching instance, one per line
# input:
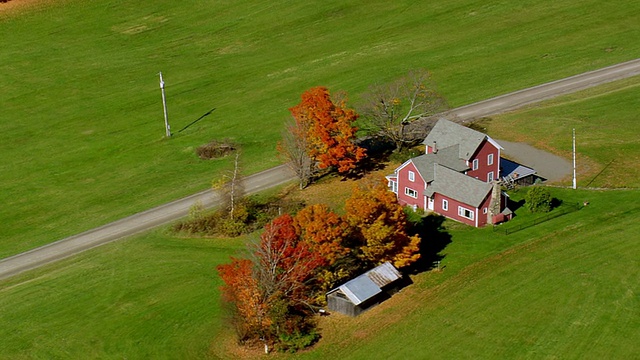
<point x="549" y="166"/>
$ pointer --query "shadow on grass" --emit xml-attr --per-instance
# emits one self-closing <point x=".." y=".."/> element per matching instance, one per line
<point x="515" y="205"/>
<point x="434" y="239"/>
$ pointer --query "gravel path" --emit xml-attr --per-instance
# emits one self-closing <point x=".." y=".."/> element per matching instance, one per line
<point x="547" y="165"/>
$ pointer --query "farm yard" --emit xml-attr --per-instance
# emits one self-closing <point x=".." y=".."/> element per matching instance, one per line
<point x="83" y="145"/>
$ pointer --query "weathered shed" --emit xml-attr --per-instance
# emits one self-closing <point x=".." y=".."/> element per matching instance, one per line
<point x="513" y="173"/>
<point x="366" y="290"/>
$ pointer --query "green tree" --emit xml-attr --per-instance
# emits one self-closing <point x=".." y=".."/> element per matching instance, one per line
<point x="538" y="199"/>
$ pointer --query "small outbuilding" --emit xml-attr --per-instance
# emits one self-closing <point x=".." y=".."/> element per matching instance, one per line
<point x="512" y="174"/>
<point x="371" y="288"/>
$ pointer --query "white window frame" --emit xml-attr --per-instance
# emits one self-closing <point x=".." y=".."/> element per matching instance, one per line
<point x="461" y="212"/>
<point x="409" y="191"/>
<point x="490" y="159"/>
<point x="412" y="176"/>
<point x="445" y="205"/>
<point x="484" y="210"/>
<point x="475" y="164"/>
<point x="490" y="176"/>
<point x="394" y="186"/>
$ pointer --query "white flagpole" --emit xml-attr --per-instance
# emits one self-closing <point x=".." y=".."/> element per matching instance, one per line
<point x="574" y="158"/>
<point x="164" y="104"/>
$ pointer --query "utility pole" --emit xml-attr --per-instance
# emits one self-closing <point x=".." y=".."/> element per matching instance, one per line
<point x="164" y="104"/>
<point x="574" y="158"/>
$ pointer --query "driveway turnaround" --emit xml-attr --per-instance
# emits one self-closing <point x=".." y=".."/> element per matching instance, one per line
<point x="281" y="174"/>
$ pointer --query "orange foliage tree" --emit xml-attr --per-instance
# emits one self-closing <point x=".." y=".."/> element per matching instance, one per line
<point x="240" y="290"/>
<point x="269" y="293"/>
<point x="379" y="226"/>
<point x="325" y="232"/>
<point x="329" y="130"/>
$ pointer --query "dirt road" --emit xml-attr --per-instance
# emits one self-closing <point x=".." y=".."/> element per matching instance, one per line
<point x="133" y="224"/>
<point x="281" y="174"/>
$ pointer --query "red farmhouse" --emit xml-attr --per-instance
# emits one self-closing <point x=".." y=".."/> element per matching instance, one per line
<point x="456" y="177"/>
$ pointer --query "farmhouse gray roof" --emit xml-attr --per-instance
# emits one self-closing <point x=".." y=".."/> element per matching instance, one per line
<point x="447" y="133"/>
<point x="458" y="186"/>
<point x="447" y="157"/>
<point x="369" y="284"/>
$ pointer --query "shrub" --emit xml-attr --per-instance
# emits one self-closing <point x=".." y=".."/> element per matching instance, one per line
<point x="538" y="199"/>
<point x="249" y="215"/>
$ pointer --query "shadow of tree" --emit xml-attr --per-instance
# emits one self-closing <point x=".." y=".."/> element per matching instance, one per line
<point x="434" y="239"/>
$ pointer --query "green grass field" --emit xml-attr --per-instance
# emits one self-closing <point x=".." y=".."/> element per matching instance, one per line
<point x="83" y="145"/>
<point x="149" y="297"/>
<point x="82" y="117"/>
<point x="566" y="288"/>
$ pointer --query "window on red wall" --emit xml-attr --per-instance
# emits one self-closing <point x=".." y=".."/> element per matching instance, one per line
<point x="445" y="205"/>
<point x="475" y="164"/>
<point x="490" y="176"/>
<point x="412" y="176"/>
<point x="411" y="192"/>
<point x="465" y="213"/>
<point x="490" y="159"/>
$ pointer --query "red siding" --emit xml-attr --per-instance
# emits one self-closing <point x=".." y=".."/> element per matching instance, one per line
<point x="482" y="154"/>
<point x="418" y="185"/>
<point x="452" y="211"/>
<point x="483" y="218"/>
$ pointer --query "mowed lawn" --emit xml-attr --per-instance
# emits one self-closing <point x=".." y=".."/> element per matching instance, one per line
<point x="81" y="117"/>
<point x="148" y="297"/>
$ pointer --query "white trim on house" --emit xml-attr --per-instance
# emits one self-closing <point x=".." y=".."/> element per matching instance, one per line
<point x="494" y="143"/>
<point x="410" y="192"/>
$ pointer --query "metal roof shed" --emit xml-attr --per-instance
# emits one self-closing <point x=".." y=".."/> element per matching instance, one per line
<point x="366" y="290"/>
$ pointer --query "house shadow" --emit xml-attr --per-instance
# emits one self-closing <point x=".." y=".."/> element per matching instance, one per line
<point x="515" y="205"/>
<point x="434" y="239"/>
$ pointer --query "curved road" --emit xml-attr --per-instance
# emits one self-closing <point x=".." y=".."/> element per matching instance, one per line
<point x="281" y="174"/>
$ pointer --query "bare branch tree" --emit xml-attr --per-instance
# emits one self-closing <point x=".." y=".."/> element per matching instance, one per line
<point x="388" y="108"/>
<point x="230" y="187"/>
<point x="293" y="148"/>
